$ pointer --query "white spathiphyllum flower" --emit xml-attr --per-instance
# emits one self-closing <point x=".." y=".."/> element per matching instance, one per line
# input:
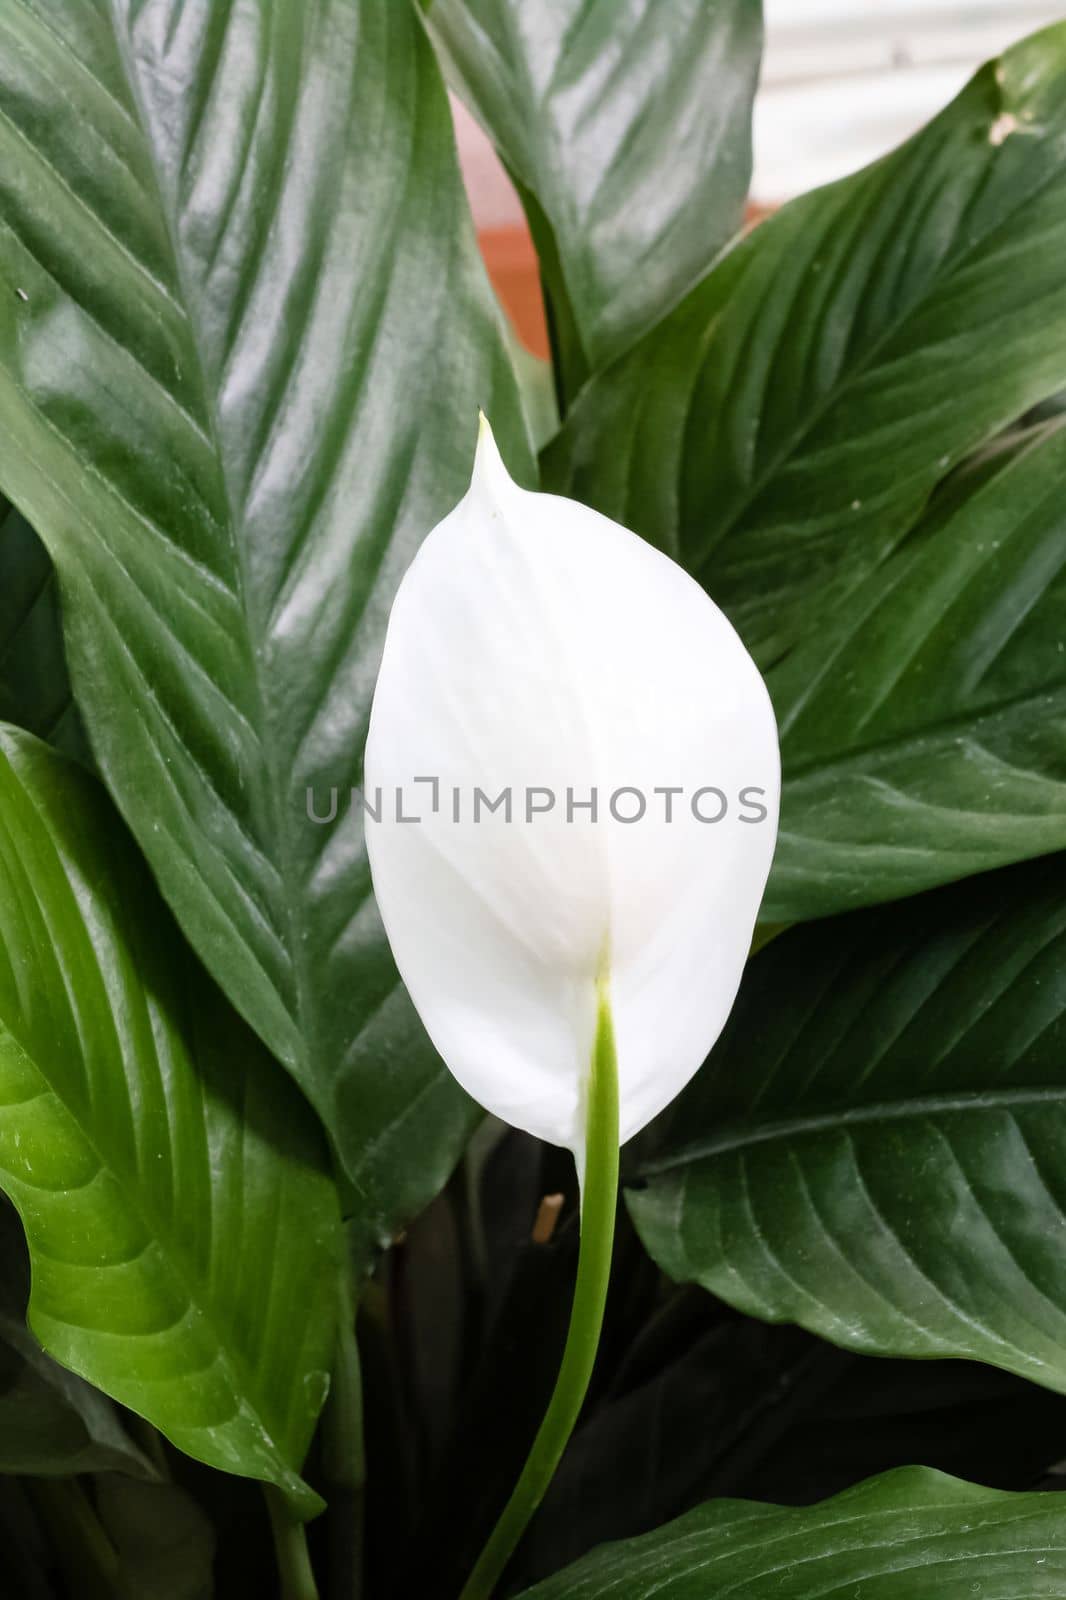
<point x="572" y="783"/>
<point x="542" y="659"/>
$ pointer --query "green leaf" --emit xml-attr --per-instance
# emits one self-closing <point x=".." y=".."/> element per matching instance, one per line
<point x="52" y="1423"/>
<point x="628" y="130"/>
<point x="662" y="1442"/>
<point x="34" y="684"/>
<point x="904" y="1536"/>
<point x="875" y="1147"/>
<point x="537" y="386"/>
<point x="164" y="1542"/>
<point x="243" y="336"/>
<point x="780" y="432"/>
<point x="29" y="1562"/>
<point x="183" y="1229"/>
<point x="773" y="1414"/>
<point x="923" y="731"/>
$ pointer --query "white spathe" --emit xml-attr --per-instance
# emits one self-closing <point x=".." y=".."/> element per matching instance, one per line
<point x="538" y="649"/>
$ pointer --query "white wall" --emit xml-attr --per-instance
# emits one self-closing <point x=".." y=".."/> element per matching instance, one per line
<point x="843" y="83"/>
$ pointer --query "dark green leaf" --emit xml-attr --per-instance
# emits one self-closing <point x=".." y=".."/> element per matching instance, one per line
<point x="52" y="1422"/>
<point x="875" y="1147"/>
<point x="497" y="1415"/>
<point x="907" y="1536"/>
<point x="34" y="685"/>
<point x="782" y="429"/>
<point x="647" y="1455"/>
<point x="243" y="337"/>
<point x="183" y="1231"/>
<point x="164" y="1543"/>
<point x="775" y="1415"/>
<point x="536" y="382"/>
<point x="28" y="1564"/>
<point x="923" y="727"/>
<point x="960" y="1417"/>
<point x="629" y="127"/>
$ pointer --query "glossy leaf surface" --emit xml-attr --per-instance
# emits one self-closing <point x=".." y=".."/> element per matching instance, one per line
<point x="51" y="1422"/>
<point x="875" y="1148"/>
<point x="183" y="1229"/>
<point x="781" y="1417"/>
<point x="628" y="126"/>
<point x="905" y="1536"/>
<point x="243" y="338"/>
<point x="782" y="430"/>
<point x="923" y="724"/>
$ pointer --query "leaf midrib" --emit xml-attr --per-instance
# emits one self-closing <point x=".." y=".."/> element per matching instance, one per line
<point x="817" y="413"/>
<point x="241" y="1378"/>
<point x="282" y="858"/>
<point x="738" y="1137"/>
<point x="967" y="719"/>
<point x="765" y="1526"/>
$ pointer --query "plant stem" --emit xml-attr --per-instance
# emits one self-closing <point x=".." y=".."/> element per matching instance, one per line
<point x="599" y="1199"/>
<point x="343" y="1460"/>
<point x="290" y="1545"/>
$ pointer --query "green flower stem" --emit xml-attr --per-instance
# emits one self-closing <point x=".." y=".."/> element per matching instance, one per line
<point x="599" y="1199"/>
<point x="290" y="1546"/>
<point x="343" y="1460"/>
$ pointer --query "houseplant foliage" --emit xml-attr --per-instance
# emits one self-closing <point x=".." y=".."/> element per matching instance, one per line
<point x="244" y="335"/>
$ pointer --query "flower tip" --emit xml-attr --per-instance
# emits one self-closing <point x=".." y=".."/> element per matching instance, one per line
<point x="489" y="475"/>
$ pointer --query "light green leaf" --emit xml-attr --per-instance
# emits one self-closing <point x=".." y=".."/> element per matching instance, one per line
<point x="244" y="333"/>
<point x="780" y="432"/>
<point x="52" y="1423"/>
<point x="875" y="1147"/>
<point x="628" y="129"/>
<point x="183" y="1229"/>
<point x="923" y="730"/>
<point x="908" y="1535"/>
